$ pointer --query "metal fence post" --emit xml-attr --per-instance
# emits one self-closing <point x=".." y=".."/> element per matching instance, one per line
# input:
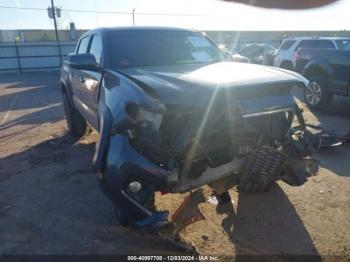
<point x="18" y="58"/>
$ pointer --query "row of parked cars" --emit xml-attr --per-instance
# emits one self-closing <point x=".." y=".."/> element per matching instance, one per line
<point x="324" y="61"/>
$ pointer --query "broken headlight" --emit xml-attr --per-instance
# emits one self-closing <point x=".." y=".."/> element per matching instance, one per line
<point x="148" y="115"/>
<point x="145" y="118"/>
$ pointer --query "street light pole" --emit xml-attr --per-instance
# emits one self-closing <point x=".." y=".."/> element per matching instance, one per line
<point x="133" y="16"/>
<point x="56" y="32"/>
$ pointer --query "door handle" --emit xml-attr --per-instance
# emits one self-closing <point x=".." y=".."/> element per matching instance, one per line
<point x="82" y="80"/>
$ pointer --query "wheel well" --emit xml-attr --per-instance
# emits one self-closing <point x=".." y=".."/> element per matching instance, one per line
<point x="315" y="71"/>
<point x="66" y="92"/>
<point x="287" y="64"/>
<point x="63" y="89"/>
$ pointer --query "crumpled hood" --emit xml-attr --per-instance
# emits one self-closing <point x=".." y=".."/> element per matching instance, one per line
<point x="195" y="83"/>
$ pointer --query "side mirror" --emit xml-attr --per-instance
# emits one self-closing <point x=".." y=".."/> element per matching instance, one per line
<point x="83" y="62"/>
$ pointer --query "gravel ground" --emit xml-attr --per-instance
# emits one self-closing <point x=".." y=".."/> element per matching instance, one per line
<point x="50" y="202"/>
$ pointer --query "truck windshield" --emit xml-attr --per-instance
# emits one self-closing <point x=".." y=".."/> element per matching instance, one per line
<point x="161" y="47"/>
<point x="343" y="44"/>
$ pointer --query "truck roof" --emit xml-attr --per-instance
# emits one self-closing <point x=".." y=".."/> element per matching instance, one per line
<point x="138" y="28"/>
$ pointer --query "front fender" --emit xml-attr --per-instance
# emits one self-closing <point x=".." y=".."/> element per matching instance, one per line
<point x="319" y="65"/>
<point x="105" y="125"/>
<point x="123" y="165"/>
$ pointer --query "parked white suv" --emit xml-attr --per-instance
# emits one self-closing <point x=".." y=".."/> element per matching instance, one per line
<point x="285" y="57"/>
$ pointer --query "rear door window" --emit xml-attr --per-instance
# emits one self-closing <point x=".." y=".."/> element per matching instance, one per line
<point x="307" y="44"/>
<point x="287" y="44"/>
<point x="344" y="44"/>
<point x="316" y="44"/>
<point x="324" y="44"/>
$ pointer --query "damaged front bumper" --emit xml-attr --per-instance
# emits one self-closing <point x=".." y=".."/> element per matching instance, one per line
<point x="129" y="178"/>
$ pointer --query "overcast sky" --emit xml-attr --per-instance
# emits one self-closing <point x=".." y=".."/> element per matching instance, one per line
<point x="207" y="15"/>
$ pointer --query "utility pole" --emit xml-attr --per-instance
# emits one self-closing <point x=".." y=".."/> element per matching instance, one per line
<point x="133" y="16"/>
<point x="56" y="32"/>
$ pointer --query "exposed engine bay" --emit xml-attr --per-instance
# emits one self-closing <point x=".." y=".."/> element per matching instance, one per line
<point x="201" y="148"/>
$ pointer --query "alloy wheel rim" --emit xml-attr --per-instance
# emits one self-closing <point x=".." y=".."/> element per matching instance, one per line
<point x="313" y="93"/>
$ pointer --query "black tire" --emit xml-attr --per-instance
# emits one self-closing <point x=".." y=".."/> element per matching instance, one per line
<point x="122" y="218"/>
<point x="316" y="94"/>
<point x="260" y="170"/>
<point x="75" y="122"/>
<point x="287" y="65"/>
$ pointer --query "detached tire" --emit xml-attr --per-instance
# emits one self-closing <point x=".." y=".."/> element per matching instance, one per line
<point x="122" y="218"/>
<point x="316" y="94"/>
<point x="75" y="122"/>
<point x="260" y="170"/>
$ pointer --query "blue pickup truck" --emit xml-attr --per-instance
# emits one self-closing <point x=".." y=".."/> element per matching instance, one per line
<point x="328" y="72"/>
<point x="173" y="114"/>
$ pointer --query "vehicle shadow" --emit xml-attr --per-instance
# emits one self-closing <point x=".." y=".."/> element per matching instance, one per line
<point x="29" y="97"/>
<point x="266" y="224"/>
<point x="54" y="205"/>
<point x="340" y="106"/>
<point x="26" y="102"/>
<point x="333" y="120"/>
<point x="335" y="159"/>
<point x="14" y="80"/>
<point x="49" y="114"/>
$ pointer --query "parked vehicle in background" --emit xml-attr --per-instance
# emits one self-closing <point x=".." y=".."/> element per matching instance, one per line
<point x="285" y="57"/>
<point x="233" y="56"/>
<point x="261" y="54"/>
<point x="239" y="58"/>
<point x="328" y="72"/>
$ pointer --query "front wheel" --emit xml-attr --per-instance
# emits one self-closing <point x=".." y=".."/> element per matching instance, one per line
<point x="316" y="94"/>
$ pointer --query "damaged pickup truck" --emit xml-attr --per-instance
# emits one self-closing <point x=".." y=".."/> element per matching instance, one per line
<point x="173" y="115"/>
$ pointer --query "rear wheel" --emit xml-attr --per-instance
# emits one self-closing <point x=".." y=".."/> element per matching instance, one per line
<point x="75" y="122"/>
<point x="316" y="94"/>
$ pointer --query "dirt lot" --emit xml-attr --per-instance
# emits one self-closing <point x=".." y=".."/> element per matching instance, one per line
<point x="50" y="202"/>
